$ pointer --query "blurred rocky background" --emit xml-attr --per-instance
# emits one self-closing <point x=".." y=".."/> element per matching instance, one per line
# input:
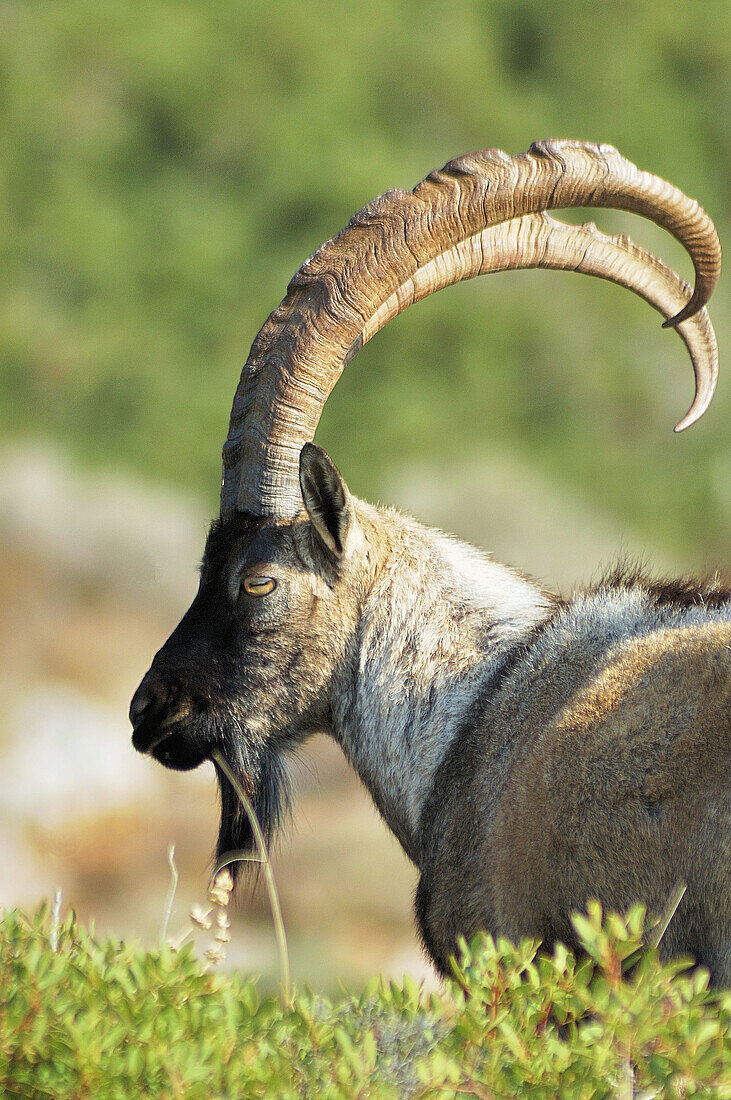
<point x="163" y="171"/>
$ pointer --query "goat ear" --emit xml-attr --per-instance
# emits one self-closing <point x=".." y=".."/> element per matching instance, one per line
<point x="327" y="499"/>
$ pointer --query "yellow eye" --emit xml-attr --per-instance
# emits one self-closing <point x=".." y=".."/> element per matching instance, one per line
<point x="259" y="586"/>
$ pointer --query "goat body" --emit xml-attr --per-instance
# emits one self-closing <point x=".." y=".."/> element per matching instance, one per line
<point x="529" y="753"/>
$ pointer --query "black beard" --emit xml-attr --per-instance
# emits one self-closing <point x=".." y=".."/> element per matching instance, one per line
<point x="267" y="785"/>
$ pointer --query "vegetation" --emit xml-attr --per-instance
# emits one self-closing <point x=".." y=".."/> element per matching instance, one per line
<point x="164" y="168"/>
<point x="106" y="1020"/>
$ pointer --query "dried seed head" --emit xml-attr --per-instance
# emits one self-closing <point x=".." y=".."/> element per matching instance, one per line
<point x="200" y="916"/>
<point x="220" y="891"/>
<point x="216" y="953"/>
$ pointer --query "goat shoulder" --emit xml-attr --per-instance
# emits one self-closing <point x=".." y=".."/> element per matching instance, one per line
<point x="600" y="767"/>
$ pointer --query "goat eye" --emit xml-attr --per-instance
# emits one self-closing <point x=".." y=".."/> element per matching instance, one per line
<point x="259" y="586"/>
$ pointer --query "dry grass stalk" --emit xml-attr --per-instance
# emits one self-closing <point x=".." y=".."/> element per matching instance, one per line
<point x="284" y="971"/>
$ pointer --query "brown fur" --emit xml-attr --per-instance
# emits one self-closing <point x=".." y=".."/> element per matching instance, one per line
<point x="620" y="794"/>
<point x="712" y="592"/>
<point x="528" y="753"/>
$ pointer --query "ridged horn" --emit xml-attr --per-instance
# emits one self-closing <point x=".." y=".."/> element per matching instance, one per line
<point x="481" y="213"/>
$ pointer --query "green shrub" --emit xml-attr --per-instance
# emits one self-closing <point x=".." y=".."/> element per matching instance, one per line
<point x="80" y="1018"/>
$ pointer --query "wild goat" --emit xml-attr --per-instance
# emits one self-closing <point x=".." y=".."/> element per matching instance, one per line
<point x="528" y="752"/>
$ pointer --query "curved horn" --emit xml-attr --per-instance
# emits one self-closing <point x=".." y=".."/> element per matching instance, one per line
<point x="405" y="245"/>
<point x="540" y="241"/>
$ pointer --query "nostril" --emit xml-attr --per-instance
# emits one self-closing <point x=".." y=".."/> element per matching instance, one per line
<point x="142" y="701"/>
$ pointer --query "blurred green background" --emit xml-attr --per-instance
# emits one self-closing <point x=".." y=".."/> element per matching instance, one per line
<point x="166" y="166"/>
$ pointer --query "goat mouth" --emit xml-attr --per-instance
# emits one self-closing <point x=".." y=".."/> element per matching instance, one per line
<point x="168" y="747"/>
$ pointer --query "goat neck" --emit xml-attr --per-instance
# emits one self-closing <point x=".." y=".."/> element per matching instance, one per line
<point x="435" y="628"/>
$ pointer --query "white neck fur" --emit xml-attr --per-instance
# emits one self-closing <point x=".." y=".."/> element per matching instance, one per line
<point x="438" y="622"/>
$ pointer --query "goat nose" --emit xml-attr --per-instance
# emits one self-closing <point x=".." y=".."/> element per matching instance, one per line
<point x="142" y="701"/>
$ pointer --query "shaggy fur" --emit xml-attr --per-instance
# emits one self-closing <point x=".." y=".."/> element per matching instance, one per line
<point x="528" y="753"/>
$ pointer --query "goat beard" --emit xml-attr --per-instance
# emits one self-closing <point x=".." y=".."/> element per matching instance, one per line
<point x="265" y="780"/>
